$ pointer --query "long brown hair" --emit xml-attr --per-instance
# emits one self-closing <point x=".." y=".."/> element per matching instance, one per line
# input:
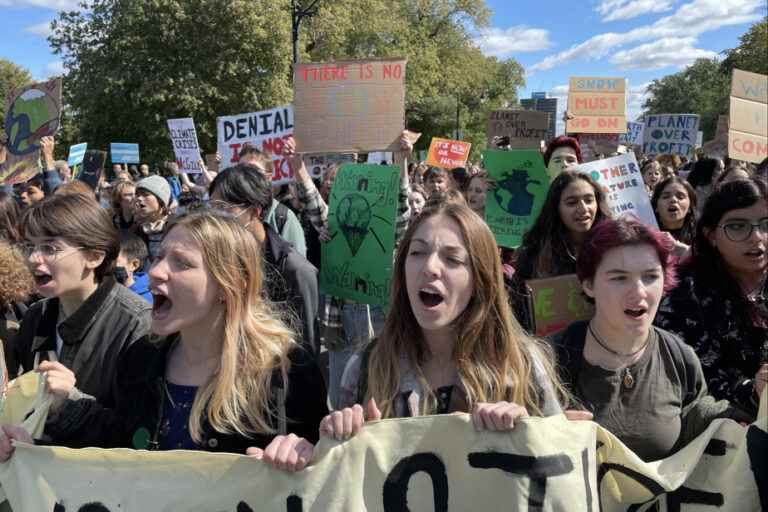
<point x="493" y="355"/>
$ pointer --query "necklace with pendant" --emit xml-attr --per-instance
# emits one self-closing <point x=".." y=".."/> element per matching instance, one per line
<point x="627" y="379"/>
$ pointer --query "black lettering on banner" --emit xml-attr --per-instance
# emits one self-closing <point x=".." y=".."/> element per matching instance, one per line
<point x="650" y="484"/>
<point x="715" y="447"/>
<point x="692" y="496"/>
<point x="88" y="507"/>
<point x="294" y="504"/>
<point x="244" y="507"/>
<point x="585" y="469"/>
<point x="396" y="485"/>
<point x="757" y="447"/>
<point x="538" y="469"/>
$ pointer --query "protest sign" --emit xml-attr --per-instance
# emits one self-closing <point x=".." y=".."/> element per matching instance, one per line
<point x="748" y="121"/>
<point x="594" y="144"/>
<point x="557" y="302"/>
<point x="623" y="185"/>
<point x="76" y="154"/>
<point x="124" y="153"/>
<point x="699" y="138"/>
<point x="31" y="113"/>
<point x="185" y="147"/>
<point x="349" y="107"/>
<point x="670" y="134"/>
<point x="379" y="157"/>
<point x="439" y="463"/>
<point x="448" y="154"/>
<point x="596" y="105"/>
<point x="318" y="164"/>
<point x="266" y="130"/>
<point x="525" y="128"/>
<point x="520" y="187"/>
<point x="357" y="262"/>
<point x="634" y="134"/>
<point x="93" y="167"/>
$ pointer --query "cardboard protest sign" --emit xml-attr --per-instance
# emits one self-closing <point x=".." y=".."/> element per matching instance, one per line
<point x="430" y="463"/>
<point x="357" y="262"/>
<point x="76" y="154"/>
<point x="596" y="105"/>
<point x="266" y="130"/>
<point x="634" y="134"/>
<point x="623" y="185"/>
<point x="748" y="126"/>
<point x="185" y="147"/>
<point x="349" y="107"/>
<point x="31" y="113"/>
<point x="525" y="128"/>
<point x="557" y="302"/>
<point x="93" y="167"/>
<point x="670" y="134"/>
<point x="520" y="185"/>
<point x="594" y="144"/>
<point x="448" y="154"/>
<point x="318" y="164"/>
<point x="124" y="153"/>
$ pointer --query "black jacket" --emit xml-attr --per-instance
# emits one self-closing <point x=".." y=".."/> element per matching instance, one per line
<point x="95" y="337"/>
<point x="292" y="280"/>
<point x="135" y="421"/>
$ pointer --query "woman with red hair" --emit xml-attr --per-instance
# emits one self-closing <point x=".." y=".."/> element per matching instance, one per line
<point x="642" y="383"/>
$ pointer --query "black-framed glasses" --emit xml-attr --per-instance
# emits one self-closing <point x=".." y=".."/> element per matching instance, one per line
<point x="47" y="251"/>
<point x="740" y="230"/>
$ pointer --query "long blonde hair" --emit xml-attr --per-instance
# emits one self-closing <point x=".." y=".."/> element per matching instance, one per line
<point x="255" y="341"/>
<point x="492" y="353"/>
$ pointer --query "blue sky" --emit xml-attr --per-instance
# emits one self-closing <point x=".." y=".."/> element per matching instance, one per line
<point x="553" y="39"/>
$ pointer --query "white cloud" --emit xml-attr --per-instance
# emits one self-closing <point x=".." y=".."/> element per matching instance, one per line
<point x="636" y="96"/>
<point x="671" y="51"/>
<point x="54" y="68"/>
<point x="41" y="29"/>
<point x="504" y="42"/>
<point x="613" y="10"/>
<point x="691" y="19"/>
<point x="58" y="5"/>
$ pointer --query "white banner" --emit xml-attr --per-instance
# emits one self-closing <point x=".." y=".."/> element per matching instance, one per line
<point x="185" y="146"/>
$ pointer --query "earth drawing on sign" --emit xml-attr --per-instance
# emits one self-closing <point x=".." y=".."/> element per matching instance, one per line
<point x="512" y="195"/>
<point x="354" y="216"/>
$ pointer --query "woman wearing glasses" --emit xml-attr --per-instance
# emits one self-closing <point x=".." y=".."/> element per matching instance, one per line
<point x="87" y="320"/>
<point x="720" y="306"/>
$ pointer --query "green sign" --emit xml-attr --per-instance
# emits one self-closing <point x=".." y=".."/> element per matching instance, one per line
<point x="357" y="262"/>
<point x="520" y="185"/>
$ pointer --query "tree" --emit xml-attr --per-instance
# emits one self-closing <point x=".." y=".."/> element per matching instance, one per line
<point x="752" y="53"/>
<point x="704" y="87"/>
<point x="11" y="77"/>
<point x="133" y="64"/>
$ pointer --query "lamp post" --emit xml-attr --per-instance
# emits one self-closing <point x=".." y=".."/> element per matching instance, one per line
<point x="298" y="13"/>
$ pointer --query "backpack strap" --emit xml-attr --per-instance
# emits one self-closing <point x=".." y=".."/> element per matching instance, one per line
<point x="362" y="380"/>
<point x="281" y="217"/>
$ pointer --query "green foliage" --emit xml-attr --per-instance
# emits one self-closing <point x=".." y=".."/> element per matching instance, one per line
<point x="704" y="87"/>
<point x="11" y="77"/>
<point x="132" y="64"/>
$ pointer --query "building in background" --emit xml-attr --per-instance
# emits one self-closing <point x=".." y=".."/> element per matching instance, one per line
<point x="539" y="101"/>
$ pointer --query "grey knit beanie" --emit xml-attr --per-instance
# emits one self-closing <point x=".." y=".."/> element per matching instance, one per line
<point x="158" y="186"/>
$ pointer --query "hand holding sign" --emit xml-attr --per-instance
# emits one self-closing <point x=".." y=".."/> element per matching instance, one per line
<point x="289" y="453"/>
<point x="347" y="422"/>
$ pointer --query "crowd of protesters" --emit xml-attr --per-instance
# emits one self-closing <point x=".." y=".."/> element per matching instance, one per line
<point x="166" y="312"/>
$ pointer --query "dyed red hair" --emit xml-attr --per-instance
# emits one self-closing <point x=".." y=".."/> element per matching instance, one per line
<point x="559" y="142"/>
<point x="612" y="233"/>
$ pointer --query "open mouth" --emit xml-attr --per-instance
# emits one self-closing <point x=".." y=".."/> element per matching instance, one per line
<point x="635" y="313"/>
<point x="755" y="253"/>
<point x="161" y="306"/>
<point x="673" y="210"/>
<point x="430" y="298"/>
<point x="42" y="279"/>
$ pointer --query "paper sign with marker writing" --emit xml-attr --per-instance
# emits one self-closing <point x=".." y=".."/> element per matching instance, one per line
<point x="185" y="146"/>
<point x="670" y="134"/>
<point x="31" y="113"/>
<point x="448" y="154"/>
<point x="353" y="106"/>
<point x="557" y="302"/>
<point x="634" y="134"/>
<point x="596" y="105"/>
<point x="362" y="208"/>
<point x="266" y="130"/>
<point x="76" y="154"/>
<point x="525" y="128"/>
<point x="748" y="121"/>
<point x="520" y="185"/>
<point x="594" y="144"/>
<point x="623" y="186"/>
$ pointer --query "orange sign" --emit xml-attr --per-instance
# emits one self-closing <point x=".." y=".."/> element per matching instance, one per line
<point x="596" y="105"/>
<point x="448" y="154"/>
